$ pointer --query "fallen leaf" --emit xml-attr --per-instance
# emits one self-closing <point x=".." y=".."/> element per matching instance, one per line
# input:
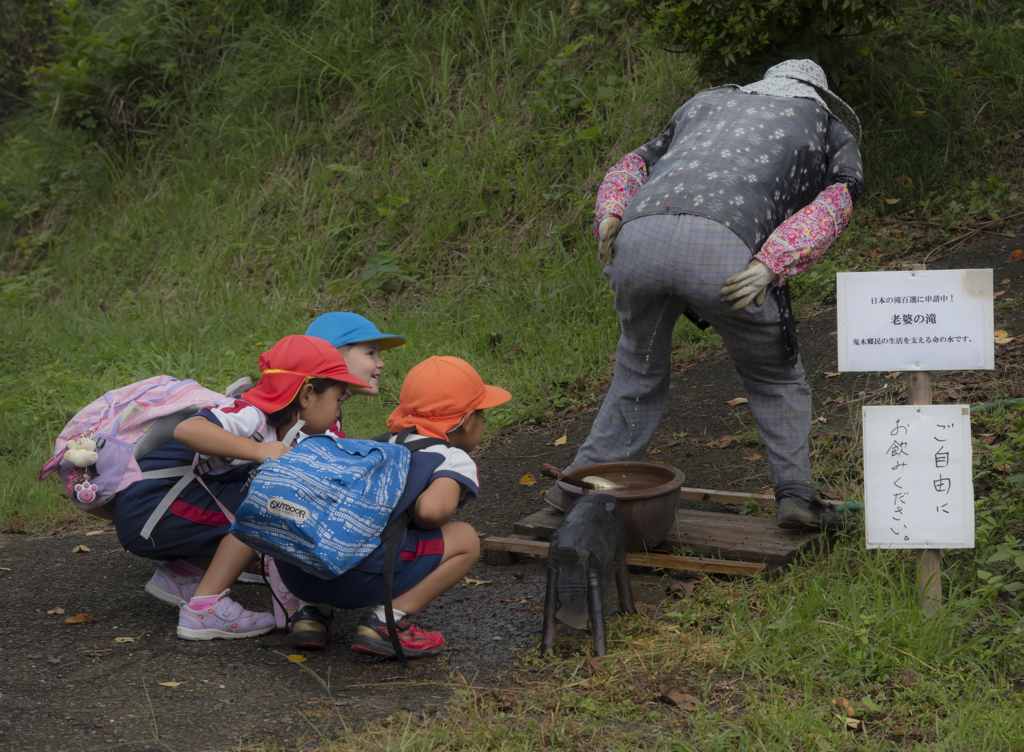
<point x="917" y="113"/>
<point x="170" y="684"/>
<point x="893" y="374"/>
<point x="897" y="234"/>
<point x="679" y="700"/>
<point x="904" y="180"/>
<point x="836" y="400"/>
<point x="527" y="480"/>
<point x="834" y="333"/>
<point x="870" y="705"/>
<point x="819" y="420"/>
<point x="832" y="374"/>
<point x="5" y="569"/>
<point x="681" y="590"/>
<point x="1004" y="340"/>
<point x="1005" y="281"/>
<point x="753" y="457"/>
<point x="97" y="532"/>
<point x="296" y="658"/>
<point x="595" y="664"/>
<point x="477" y="583"/>
<point x="1001" y="292"/>
<point x="987" y="438"/>
<point x="559" y="442"/>
<point x="725" y="442"/>
<point x="124" y="639"/>
<point x="893" y="201"/>
<point x="853" y="724"/>
<point x="56" y="610"/>
<point x="81" y="550"/>
<point x="1017" y="255"/>
<point x="737" y="401"/>
<point x="79" y="619"/>
<point x="1001" y="333"/>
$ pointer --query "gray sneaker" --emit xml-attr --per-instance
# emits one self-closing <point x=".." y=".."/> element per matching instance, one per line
<point x="553" y="497"/>
<point x="800" y="506"/>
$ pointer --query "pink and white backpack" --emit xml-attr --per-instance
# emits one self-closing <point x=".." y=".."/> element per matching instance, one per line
<point x="96" y="454"/>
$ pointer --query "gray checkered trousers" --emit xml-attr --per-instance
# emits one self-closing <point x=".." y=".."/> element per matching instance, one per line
<point x="662" y="264"/>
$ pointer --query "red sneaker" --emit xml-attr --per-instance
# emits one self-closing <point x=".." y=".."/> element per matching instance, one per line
<point x="372" y="639"/>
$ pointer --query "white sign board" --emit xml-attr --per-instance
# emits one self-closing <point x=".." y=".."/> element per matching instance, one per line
<point x="918" y="490"/>
<point x="915" y="320"/>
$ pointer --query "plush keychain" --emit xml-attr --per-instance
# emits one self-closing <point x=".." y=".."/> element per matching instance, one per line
<point x="82" y="454"/>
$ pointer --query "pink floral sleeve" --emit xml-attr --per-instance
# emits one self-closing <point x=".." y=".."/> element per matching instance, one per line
<point x="621" y="183"/>
<point x="800" y="240"/>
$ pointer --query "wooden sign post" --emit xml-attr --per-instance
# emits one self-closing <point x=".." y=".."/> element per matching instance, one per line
<point x="929" y="560"/>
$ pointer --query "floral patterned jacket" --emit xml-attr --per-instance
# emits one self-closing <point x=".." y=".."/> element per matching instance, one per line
<point x="780" y="172"/>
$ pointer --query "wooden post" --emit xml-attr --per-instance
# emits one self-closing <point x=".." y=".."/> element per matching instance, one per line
<point x="929" y="560"/>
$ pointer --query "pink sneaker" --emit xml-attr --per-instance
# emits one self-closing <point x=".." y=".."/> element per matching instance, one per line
<point x="281" y="596"/>
<point x="221" y="620"/>
<point x="174" y="582"/>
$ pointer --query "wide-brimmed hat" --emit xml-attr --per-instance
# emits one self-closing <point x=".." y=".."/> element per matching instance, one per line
<point x="438" y="393"/>
<point x="289" y="364"/>
<point x="805" y="78"/>
<point x="342" y="328"/>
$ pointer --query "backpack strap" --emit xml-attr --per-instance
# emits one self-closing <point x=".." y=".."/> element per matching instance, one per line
<point x="238" y="387"/>
<point x="185" y="474"/>
<point x="392" y="537"/>
<point x="402" y="436"/>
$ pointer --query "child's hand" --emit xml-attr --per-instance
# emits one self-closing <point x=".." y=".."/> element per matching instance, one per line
<point x="271" y="450"/>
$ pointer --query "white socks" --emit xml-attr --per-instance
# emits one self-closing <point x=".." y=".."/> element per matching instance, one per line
<point x="379" y="612"/>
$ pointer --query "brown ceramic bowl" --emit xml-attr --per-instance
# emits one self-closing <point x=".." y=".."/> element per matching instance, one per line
<point x="648" y="504"/>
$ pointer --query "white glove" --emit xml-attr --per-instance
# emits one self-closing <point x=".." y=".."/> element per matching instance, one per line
<point x="607" y="231"/>
<point x="750" y="283"/>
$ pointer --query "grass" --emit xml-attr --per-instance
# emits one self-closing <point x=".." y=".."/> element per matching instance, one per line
<point x="432" y="166"/>
<point x="765" y="664"/>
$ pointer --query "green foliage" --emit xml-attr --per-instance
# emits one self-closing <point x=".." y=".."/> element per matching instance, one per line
<point x="732" y="35"/>
<point x="25" y="42"/>
<point x="999" y="523"/>
<point x="128" y="69"/>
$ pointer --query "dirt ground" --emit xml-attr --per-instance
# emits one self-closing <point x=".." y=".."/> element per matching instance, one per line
<point x="74" y="687"/>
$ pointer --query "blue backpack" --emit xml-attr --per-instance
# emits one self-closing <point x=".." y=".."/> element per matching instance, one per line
<point x="325" y="505"/>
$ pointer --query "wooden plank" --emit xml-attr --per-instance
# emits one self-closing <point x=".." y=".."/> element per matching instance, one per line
<point x="728" y="536"/>
<point x="659" y="561"/>
<point x="723" y="497"/>
<point x="497" y="557"/>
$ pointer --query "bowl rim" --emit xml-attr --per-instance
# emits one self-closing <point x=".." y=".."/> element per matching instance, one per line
<point x="637" y="494"/>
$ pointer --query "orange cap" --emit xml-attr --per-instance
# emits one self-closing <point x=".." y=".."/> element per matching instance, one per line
<point x="289" y="364"/>
<point x="438" y="393"/>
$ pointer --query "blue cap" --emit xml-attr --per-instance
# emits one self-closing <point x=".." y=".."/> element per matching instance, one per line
<point x="342" y="328"/>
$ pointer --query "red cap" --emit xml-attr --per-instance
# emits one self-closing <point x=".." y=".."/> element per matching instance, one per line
<point x="438" y="393"/>
<point x="289" y="364"/>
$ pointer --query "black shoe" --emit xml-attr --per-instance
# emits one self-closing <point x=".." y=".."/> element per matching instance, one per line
<point x="800" y="506"/>
<point x="311" y="627"/>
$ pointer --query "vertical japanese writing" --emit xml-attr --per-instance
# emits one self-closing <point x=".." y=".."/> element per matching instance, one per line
<point x="897" y="450"/>
<point x="941" y="457"/>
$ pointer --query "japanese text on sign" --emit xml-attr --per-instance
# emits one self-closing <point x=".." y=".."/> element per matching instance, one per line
<point x="918" y="491"/>
<point x="915" y="320"/>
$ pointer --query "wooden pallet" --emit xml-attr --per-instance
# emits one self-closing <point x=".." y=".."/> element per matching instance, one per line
<point x="528" y="547"/>
<point x="725" y="543"/>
